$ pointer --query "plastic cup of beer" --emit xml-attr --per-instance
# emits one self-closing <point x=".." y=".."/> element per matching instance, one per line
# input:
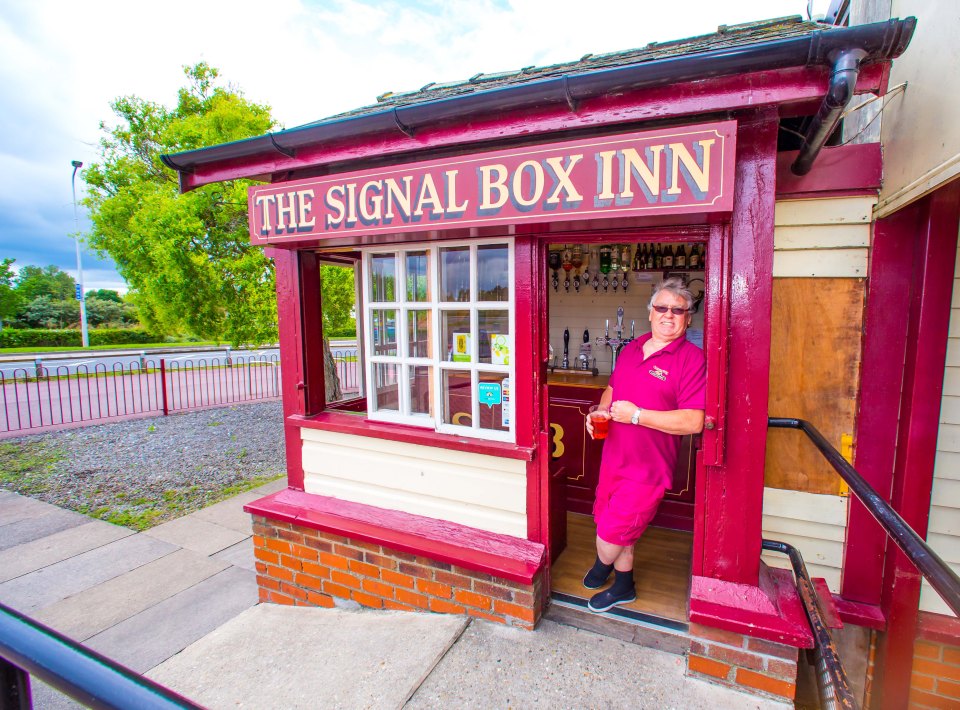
<point x="600" y="419"/>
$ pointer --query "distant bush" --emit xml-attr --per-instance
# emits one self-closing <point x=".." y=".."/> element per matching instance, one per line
<point x="45" y="338"/>
<point x="347" y="332"/>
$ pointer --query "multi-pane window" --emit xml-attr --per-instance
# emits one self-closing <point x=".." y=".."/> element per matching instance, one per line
<point x="439" y="337"/>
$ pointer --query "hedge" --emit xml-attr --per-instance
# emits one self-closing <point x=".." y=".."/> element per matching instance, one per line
<point x="44" y="338"/>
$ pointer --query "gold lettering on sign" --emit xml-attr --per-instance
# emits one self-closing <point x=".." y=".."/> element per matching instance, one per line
<point x="488" y="185"/>
<point x="701" y="176"/>
<point x="633" y="162"/>
<point x="263" y="202"/>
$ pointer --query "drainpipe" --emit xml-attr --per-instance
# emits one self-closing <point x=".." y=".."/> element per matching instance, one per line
<point x="846" y="68"/>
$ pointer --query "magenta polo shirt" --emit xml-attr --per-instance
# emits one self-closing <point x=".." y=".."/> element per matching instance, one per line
<point x="672" y="378"/>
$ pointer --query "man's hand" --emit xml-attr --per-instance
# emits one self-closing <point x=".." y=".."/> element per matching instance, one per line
<point x="622" y="411"/>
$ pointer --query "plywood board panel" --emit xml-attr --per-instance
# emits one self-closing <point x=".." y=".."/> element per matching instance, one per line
<point x="822" y="263"/>
<point x="835" y="210"/>
<point x="814" y="371"/>
<point x="834" y="236"/>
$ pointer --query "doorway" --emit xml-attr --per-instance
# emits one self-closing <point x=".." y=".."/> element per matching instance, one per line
<point x="586" y="328"/>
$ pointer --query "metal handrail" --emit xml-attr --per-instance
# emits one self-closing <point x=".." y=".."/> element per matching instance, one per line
<point x="832" y="678"/>
<point x="27" y="647"/>
<point x="941" y="577"/>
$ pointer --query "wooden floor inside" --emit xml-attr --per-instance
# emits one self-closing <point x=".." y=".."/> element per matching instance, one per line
<point x="661" y="567"/>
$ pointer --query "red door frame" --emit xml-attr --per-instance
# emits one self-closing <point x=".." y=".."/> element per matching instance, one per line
<point x="928" y="231"/>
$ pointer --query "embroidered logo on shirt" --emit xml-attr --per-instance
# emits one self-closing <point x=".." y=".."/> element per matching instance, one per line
<point x="659" y="373"/>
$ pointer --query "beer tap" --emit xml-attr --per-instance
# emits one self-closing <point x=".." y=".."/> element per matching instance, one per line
<point x="616" y="344"/>
<point x="565" y="364"/>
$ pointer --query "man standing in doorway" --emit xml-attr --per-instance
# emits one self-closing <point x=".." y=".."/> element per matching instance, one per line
<point x="655" y="396"/>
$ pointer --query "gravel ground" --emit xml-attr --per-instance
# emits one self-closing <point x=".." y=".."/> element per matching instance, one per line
<point x="144" y="472"/>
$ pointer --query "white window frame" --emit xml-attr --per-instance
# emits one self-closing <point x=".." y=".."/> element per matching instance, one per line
<point x="437" y="361"/>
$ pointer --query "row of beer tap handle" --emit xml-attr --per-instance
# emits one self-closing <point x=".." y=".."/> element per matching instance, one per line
<point x="584" y="361"/>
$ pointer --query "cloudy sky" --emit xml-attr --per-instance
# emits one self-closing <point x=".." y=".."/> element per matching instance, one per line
<point x="62" y="63"/>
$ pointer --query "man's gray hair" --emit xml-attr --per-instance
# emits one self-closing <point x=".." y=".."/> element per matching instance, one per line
<point x="677" y="287"/>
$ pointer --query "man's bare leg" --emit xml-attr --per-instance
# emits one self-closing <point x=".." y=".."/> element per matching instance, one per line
<point x="619" y="556"/>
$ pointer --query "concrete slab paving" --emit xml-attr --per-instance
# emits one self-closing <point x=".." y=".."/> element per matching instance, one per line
<point x="196" y="534"/>
<point x="272" y="487"/>
<point x="240" y="555"/>
<point x="229" y="513"/>
<point x="300" y="657"/>
<point x="29" y="529"/>
<point x="31" y="556"/>
<point x="48" y="585"/>
<point x="98" y="608"/>
<point x="152" y="636"/>
<point x="560" y="666"/>
<point x="17" y="507"/>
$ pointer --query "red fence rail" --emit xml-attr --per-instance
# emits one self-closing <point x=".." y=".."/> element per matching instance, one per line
<point x="47" y="396"/>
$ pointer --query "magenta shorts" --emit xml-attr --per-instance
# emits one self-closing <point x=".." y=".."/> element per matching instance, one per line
<point x="624" y="509"/>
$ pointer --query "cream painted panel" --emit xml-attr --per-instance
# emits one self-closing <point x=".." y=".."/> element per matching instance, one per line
<point x="950" y="410"/>
<point x="953" y="347"/>
<point x="837" y="263"/>
<point x="944" y="520"/>
<point x="837" y="210"/>
<point x="947" y="465"/>
<point x="481" y="491"/>
<point x="931" y="601"/>
<point x="946" y="546"/>
<point x="955" y="296"/>
<point x="954" y="321"/>
<point x="946" y="493"/>
<point x="948" y="438"/>
<point x="814" y="524"/>
<point x="951" y="381"/>
<point x="835" y="236"/>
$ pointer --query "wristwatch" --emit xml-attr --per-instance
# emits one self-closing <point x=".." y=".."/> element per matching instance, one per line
<point x="635" y="418"/>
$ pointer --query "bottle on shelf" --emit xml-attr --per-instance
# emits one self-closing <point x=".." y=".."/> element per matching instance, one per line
<point x="648" y="264"/>
<point x="658" y="258"/>
<point x="667" y="256"/>
<point x="682" y="256"/>
<point x="695" y="256"/>
<point x="638" y="258"/>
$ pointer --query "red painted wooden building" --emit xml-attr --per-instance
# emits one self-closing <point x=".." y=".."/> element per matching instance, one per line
<point x="495" y="227"/>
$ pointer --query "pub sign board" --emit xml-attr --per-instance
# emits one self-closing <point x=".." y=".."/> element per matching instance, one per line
<point x="685" y="169"/>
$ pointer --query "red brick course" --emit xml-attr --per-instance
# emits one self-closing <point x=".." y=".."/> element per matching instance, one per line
<point x="935" y="681"/>
<point x="753" y="665"/>
<point x="301" y="566"/>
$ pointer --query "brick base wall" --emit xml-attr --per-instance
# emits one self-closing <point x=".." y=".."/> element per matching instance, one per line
<point x="302" y="566"/>
<point x="935" y="681"/>
<point x="749" y="664"/>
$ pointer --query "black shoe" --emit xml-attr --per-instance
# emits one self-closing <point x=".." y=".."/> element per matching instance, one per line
<point x="606" y="600"/>
<point x="593" y="579"/>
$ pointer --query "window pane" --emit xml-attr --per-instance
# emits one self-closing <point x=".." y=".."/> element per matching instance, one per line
<point x="496" y="343"/>
<point x="493" y="273"/>
<point x="383" y="277"/>
<point x="457" y="398"/>
<point x="494" y="394"/>
<point x="456" y="335"/>
<point x="421" y="389"/>
<point x="418" y="333"/>
<point x="418" y="276"/>
<point x="385" y="386"/>
<point x="455" y="274"/>
<point x="384" y="329"/>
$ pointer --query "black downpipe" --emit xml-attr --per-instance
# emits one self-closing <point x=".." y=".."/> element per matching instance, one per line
<point x="941" y="577"/>
<point x="831" y="678"/>
<point x="89" y="678"/>
<point x="843" y="80"/>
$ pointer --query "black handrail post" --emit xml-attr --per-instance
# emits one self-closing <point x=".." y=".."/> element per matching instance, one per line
<point x="14" y="687"/>
<point x="940" y="575"/>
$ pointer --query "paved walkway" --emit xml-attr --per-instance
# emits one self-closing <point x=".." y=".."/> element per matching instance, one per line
<point x="179" y="603"/>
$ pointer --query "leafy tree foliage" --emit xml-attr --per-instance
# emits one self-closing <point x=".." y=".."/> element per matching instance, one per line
<point x="105" y="294"/>
<point x="48" y="312"/>
<point x="10" y="300"/>
<point x="188" y="257"/>
<point x="34" y="281"/>
<point x="337" y="294"/>
<point x="107" y="312"/>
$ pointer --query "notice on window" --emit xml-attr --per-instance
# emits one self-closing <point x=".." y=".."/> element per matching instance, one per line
<point x="505" y="400"/>
<point x="499" y="349"/>
<point x="489" y="393"/>
<point x="461" y="347"/>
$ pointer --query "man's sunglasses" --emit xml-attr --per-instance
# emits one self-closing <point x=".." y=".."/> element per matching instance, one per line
<point x="676" y="310"/>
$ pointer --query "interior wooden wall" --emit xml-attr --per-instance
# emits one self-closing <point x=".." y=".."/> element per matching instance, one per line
<point x="814" y="374"/>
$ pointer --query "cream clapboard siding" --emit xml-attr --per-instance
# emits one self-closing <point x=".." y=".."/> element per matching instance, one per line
<point x="822" y="238"/>
<point x="943" y="533"/>
<point x="485" y="492"/>
<point x="814" y="524"/>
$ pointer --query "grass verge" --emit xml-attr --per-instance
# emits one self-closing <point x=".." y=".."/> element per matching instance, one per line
<point x="25" y="467"/>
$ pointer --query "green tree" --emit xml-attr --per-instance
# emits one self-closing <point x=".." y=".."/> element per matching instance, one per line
<point x="188" y="257"/>
<point x="105" y="294"/>
<point x="337" y="293"/>
<point x="34" y="281"/>
<point x="47" y="312"/>
<point x="10" y="300"/>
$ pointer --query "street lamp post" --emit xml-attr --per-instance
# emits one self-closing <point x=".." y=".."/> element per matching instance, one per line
<point x="80" y="294"/>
